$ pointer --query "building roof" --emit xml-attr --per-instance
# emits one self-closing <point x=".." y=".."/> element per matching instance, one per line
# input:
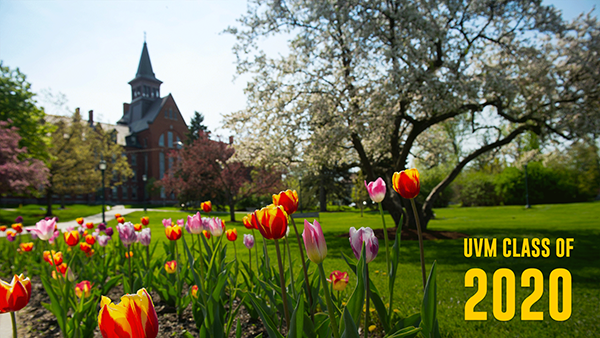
<point x="145" y="66"/>
<point x="144" y="121"/>
<point x="122" y="131"/>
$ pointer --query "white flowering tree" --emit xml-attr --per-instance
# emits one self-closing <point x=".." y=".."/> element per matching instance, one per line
<point x="365" y="81"/>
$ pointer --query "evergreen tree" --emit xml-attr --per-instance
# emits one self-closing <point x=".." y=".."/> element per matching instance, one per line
<point x="196" y="127"/>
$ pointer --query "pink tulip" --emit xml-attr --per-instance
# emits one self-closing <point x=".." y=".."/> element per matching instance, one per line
<point x="376" y="190"/>
<point x="144" y="237"/>
<point x="314" y="241"/>
<point x="248" y="241"/>
<point x="44" y="229"/>
<point x="194" y="224"/>
<point x="366" y="235"/>
<point x="215" y="227"/>
<point x="166" y="222"/>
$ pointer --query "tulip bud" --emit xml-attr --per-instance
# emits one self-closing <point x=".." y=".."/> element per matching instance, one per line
<point x="248" y="241"/>
<point x="314" y="241"/>
<point x="376" y="190"/>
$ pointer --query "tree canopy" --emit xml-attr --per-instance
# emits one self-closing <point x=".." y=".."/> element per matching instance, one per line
<point x="366" y="81"/>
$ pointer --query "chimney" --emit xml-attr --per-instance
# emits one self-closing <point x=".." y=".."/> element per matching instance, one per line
<point x="230" y="140"/>
<point x="91" y="118"/>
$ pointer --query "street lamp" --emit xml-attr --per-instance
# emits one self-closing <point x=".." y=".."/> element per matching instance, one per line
<point x="102" y="167"/>
<point x="144" y="178"/>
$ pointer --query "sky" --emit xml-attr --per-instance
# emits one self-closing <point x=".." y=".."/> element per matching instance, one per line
<point x="88" y="51"/>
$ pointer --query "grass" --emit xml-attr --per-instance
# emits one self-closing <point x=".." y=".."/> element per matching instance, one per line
<point x="32" y="213"/>
<point x="578" y="221"/>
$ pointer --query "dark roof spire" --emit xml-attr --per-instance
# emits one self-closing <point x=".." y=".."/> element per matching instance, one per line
<point x="145" y="67"/>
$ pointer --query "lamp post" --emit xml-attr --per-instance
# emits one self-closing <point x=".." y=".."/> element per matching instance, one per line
<point x="144" y="178"/>
<point x="102" y="167"/>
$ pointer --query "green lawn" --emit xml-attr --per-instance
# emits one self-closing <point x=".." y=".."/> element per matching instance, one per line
<point x="579" y="221"/>
<point x="32" y="213"/>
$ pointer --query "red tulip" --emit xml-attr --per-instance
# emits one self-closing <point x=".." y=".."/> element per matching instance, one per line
<point x="248" y="222"/>
<point x="26" y="246"/>
<point x="18" y="227"/>
<point x="206" y="234"/>
<point x="134" y="317"/>
<point x="231" y="234"/>
<point x="407" y="183"/>
<point x="83" y="289"/>
<point x="72" y="237"/>
<point x="79" y="220"/>
<point x="145" y="220"/>
<point x="173" y="232"/>
<point x="16" y="295"/>
<point x="137" y="227"/>
<point x="272" y="221"/>
<point x="121" y="220"/>
<point x="206" y="206"/>
<point x="90" y="239"/>
<point x="85" y="247"/>
<point x="89" y="225"/>
<point x="3" y="228"/>
<point x="288" y="200"/>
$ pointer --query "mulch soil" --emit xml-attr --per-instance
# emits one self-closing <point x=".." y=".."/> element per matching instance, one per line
<point x="35" y="321"/>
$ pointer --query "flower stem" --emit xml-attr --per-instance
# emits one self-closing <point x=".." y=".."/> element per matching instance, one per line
<point x="385" y="237"/>
<point x="306" y="281"/>
<point x="287" y="243"/>
<point x="201" y="261"/>
<point x="414" y="207"/>
<point x="366" y="329"/>
<point x="255" y="249"/>
<point x="178" y="283"/>
<point x="330" y="307"/>
<point x="13" y="317"/>
<point x="130" y="276"/>
<point x="282" y="282"/>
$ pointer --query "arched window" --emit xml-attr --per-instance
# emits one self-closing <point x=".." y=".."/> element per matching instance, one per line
<point x="161" y="140"/>
<point x="161" y="165"/>
<point x="170" y="139"/>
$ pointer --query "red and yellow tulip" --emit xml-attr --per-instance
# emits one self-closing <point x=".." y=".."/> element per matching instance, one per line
<point x="16" y="295"/>
<point x="57" y="257"/>
<point x="79" y="220"/>
<point x="231" y="234"/>
<point x="206" y="206"/>
<point x="195" y="291"/>
<point x="89" y="225"/>
<point x="90" y="239"/>
<point x="339" y="280"/>
<point x="272" y="221"/>
<point x="83" y="289"/>
<point x="18" y="227"/>
<point x="72" y="237"/>
<point x="129" y="254"/>
<point x="121" y="220"/>
<point x="3" y="228"/>
<point x="137" y="227"/>
<point x="134" y="317"/>
<point x="171" y="267"/>
<point x="206" y="234"/>
<point x="248" y="222"/>
<point x="145" y="220"/>
<point x="26" y="246"/>
<point x="288" y="200"/>
<point x="407" y="183"/>
<point x="173" y="232"/>
<point x="85" y="247"/>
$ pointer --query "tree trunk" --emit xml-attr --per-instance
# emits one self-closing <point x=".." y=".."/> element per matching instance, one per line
<point x="322" y="195"/>
<point x="231" y="208"/>
<point x="62" y="201"/>
<point x="48" y="202"/>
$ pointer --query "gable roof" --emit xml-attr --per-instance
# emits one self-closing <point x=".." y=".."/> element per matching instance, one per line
<point x="149" y="117"/>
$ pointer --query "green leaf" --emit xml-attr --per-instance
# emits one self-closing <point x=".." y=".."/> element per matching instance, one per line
<point x="428" y="308"/>
<point x="351" y="330"/>
<point x="357" y="299"/>
<point x="269" y="325"/>
<point x="350" y="261"/>
<point x="186" y="334"/>
<point x="297" y="320"/>
<point x="238" y="330"/>
<point x="406" y="332"/>
<point x="379" y="306"/>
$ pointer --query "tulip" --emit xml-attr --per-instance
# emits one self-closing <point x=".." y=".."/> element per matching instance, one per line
<point x="121" y="220"/>
<point x="89" y="225"/>
<point x="288" y="200"/>
<point x="376" y="190"/>
<point x="314" y="241"/>
<point x="339" y="280"/>
<point x="137" y="227"/>
<point x="248" y="241"/>
<point x="216" y="227"/>
<point x="206" y="223"/>
<point x="173" y="232"/>
<point x="407" y="183"/>
<point x="248" y="222"/>
<point x="231" y="234"/>
<point x="181" y="222"/>
<point x="16" y="295"/>
<point x="127" y="233"/>
<point x="194" y="224"/>
<point x="19" y="219"/>
<point x="223" y="224"/>
<point x="145" y="220"/>
<point x="166" y="222"/>
<point x="206" y="206"/>
<point x="83" y="289"/>
<point x="2" y="228"/>
<point x="57" y="257"/>
<point x="54" y="237"/>
<point x="44" y="229"/>
<point x="145" y="236"/>
<point x="109" y="232"/>
<point x="79" y="220"/>
<point x="272" y="221"/>
<point x="129" y="254"/>
<point x="366" y="235"/>
<point x="103" y="240"/>
<point x="134" y="317"/>
<point x="62" y="268"/>
<point x="18" y="227"/>
<point x="26" y="246"/>
<point x="85" y="247"/>
<point x="90" y="239"/>
<point x="11" y="235"/>
<point x="32" y="234"/>
<point x="206" y="234"/>
<point x="101" y="227"/>
<point x="195" y="291"/>
<point x="72" y="237"/>
<point x="171" y="267"/>
<point x="117" y="216"/>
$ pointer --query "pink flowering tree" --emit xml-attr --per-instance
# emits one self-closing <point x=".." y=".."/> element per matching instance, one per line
<point x="18" y="175"/>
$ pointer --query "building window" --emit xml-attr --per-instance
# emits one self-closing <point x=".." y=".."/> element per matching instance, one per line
<point x="170" y="139"/>
<point x="125" y="192"/>
<point x="162" y="192"/>
<point x="166" y="113"/>
<point x="134" y="192"/>
<point x="115" y="194"/>
<point x="161" y="140"/>
<point x="134" y="177"/>
<point x="134" y="160"/>
<point x="161" y="165"/>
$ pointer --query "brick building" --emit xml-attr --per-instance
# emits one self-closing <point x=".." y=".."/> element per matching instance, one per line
<point x="156" y="128"/>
